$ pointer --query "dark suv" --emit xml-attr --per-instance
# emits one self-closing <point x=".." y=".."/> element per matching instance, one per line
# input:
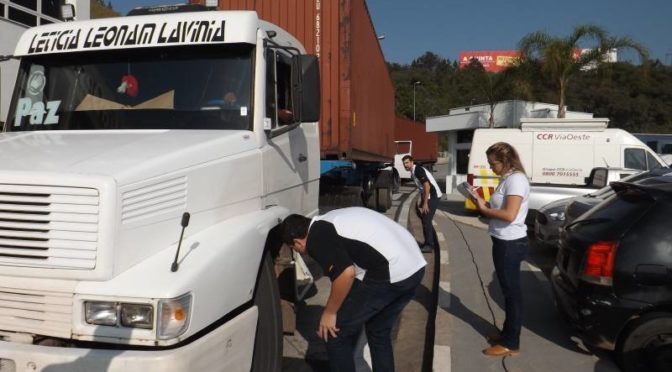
<point x="613" y="274"/>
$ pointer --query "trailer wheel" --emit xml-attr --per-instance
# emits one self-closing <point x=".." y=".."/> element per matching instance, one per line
<point x="383" y="198"/>
<point x="267" y="355"/>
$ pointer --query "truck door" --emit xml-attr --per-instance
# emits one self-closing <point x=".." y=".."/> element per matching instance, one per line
<point x="291" y="159"/>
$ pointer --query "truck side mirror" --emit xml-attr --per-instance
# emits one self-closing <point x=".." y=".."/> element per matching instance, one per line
<point x="306" y="88"/>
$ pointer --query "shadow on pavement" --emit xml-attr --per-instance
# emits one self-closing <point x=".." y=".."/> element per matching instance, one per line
<point x="456" y="207"/>
<point x="481" y="325"/>
<point x="546" y="324"/>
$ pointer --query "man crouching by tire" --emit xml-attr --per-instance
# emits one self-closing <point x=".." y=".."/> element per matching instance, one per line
<point x="375" y="267"/>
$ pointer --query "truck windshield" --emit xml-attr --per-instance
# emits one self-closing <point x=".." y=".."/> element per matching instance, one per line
<point x="203" y="87"/>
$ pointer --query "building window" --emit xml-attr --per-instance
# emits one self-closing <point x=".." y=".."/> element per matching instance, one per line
<point x="30" y="4"/>
<point x="465" y="136"/>
<point x="22" y="17"/>
<point x="51" y="8"/>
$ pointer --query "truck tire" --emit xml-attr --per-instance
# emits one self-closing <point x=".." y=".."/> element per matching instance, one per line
<point x="267" y="356"/>
<point x="647" y="345"/>
<point x="383" y="199"/>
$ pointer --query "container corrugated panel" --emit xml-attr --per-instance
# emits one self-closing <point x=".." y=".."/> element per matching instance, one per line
<point x="424" y="144"/>
<point x="357" y="120"/>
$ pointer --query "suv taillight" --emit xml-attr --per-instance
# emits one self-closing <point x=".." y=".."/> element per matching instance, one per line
<point x="599" y="264"/>
<point x="470" y="179"/>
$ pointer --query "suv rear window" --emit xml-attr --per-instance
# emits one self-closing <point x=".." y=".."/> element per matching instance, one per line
<point x="614" y="216"/>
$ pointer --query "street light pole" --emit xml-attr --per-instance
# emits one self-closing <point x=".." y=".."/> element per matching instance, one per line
<point x="415" y="83"/>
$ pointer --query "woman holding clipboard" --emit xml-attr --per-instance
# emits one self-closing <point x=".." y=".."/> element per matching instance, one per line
<point x="507" y="211"/>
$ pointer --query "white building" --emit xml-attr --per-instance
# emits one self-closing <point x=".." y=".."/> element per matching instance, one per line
<point x="461" y="122"/>
<point x="15" y="17"/>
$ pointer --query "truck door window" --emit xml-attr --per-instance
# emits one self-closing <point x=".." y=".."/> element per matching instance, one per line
<point x="279" y="109"/>
<point x="635" y="158"/>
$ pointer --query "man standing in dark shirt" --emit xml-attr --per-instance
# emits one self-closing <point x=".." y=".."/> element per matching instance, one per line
<point x="430" y="194"/>
<point x="374" y="266"/>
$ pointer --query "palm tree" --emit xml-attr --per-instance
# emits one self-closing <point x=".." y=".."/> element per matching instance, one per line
<point x="493" y="88"/>
<point x="557" y="58"/>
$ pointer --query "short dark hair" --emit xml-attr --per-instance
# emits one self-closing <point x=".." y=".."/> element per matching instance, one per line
<point x="295" y="226"/>
<point x="409" y="157"/>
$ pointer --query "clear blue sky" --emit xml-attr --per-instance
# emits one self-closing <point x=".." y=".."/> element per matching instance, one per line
<point x="445" y="27"/>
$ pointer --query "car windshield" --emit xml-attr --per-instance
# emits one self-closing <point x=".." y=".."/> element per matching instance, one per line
<point x="203" y="87"/>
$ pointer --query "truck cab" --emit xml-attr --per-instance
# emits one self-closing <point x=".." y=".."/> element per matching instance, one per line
<point x="120" y="128"/>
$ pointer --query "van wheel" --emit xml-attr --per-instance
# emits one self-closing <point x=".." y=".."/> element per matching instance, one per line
<point x="267" y="355"/>
<point x="648" y="345"/>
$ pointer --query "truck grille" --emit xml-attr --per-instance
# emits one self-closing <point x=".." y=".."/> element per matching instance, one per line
<point x="48" y="226"/>
<point x="42" y="313"/>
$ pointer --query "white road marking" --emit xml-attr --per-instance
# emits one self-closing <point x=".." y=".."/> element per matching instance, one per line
<point x="434" y="223"/>
<point x="442" y="238"/>
<point x="443" y="257"/>
<point x="403" y="216"/>
<point x="441" y="358"/>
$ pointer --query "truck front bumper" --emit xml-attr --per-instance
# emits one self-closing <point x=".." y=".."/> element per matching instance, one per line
<point x="226" y="348"/>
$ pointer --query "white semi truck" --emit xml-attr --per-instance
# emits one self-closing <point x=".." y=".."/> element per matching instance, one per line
<point x="145" y="164"/>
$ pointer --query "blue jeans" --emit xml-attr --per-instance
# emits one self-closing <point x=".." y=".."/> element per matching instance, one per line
<point x="427" y="228"/>
<point x="507" y="256"/>
<point x="374" y="306"/>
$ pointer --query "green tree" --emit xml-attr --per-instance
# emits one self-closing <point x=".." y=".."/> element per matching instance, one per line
<point x="558" y="62"/>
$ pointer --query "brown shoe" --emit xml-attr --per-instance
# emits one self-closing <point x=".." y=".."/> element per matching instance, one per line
<point x="499" y="350"/>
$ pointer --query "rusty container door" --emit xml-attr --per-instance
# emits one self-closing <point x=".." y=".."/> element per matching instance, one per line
<point x="357" y="120"/>
<point x="424" y="144"/>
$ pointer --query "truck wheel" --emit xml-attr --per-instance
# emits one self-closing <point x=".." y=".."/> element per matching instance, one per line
<point x="648" y="345"/>
<point x="267" y="355"/>
<point x="384" y="199"/>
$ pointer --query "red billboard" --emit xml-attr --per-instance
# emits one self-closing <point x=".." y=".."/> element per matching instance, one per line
<point x="492" y="60"/>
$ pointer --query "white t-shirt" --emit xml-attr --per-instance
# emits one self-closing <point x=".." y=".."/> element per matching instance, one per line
<point x="376" y="245"/>
<point x="511" y="184"/>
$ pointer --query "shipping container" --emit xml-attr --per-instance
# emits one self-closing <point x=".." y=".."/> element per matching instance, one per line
<point x="357" y="120"/>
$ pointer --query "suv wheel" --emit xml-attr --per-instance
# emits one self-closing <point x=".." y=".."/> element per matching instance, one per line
<point x="648" y="345"/>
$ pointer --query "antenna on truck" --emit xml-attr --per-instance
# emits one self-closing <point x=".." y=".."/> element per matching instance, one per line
<point x="184" y="223"/>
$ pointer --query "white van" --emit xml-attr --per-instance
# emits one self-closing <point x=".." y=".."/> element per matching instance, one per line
<point x="559" y="151"/>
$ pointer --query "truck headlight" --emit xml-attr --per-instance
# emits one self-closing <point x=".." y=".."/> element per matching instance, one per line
<point x="101" y="313"/>
<point x="137" y="316"/>
<point x="116" y="314"/>
<point x="173" y="317"/>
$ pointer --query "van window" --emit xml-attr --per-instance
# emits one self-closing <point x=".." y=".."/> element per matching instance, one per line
<point x="635" y="159"/>
<point x="652" y="161"/>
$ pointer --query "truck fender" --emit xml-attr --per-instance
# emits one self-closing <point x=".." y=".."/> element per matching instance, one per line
<point x="219" y="266"/>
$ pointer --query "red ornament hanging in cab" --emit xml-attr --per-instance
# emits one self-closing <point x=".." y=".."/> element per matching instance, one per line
<point x="129" y="85"/>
